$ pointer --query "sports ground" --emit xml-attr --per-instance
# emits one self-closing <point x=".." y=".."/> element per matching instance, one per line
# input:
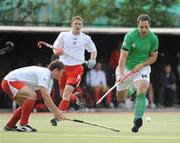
<point x="164" y="127"/>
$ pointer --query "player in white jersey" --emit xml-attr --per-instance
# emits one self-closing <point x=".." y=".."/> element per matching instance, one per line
<point x="74" y="43"/>
<point x="21" y="84"/>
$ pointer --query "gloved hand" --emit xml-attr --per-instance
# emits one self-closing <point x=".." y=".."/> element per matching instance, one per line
<point x="91" y="63"/>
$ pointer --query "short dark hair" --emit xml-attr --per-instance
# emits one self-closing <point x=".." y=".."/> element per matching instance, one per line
<point x="144" y="17"/>
<point x="56" y="64"/>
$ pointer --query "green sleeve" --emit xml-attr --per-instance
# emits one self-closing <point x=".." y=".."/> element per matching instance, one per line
<point x="155" y="44"/>
<point x="127" y="43"/>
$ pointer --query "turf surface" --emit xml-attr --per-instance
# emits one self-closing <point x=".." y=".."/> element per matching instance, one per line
<point x="163" y="128"/>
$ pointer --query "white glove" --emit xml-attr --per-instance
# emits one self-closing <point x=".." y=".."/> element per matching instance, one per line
<point x="91" y="63"/>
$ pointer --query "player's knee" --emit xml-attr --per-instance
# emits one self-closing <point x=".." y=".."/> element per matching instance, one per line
<point x="142" y="90"/>
<point x="32" y="96"/>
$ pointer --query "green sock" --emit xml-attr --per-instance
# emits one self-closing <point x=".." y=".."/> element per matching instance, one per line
<point x="131" y="90"/>
<point x="140" y="105"/>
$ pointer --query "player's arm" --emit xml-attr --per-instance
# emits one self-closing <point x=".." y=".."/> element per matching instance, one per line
<point x="50" y="104"/>
<point x="58" y="45"/>
<point x="93" y="55"/>
<point x="126" y="47"/>
<point x="151" y="59"/>
<point x="122" y="64"/>
<point x="122" y="61"/>
<point x="90" y="47"/>
<point x="153" y="53"/>
<point x="58" y="51"/>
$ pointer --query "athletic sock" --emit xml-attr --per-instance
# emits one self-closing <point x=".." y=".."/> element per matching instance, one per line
<point x="131" y="90"/>
<point x="15" y="118"/>
<point x="73" y="98"/>
<point x="27" y="108"/>
<point x="140" y="105"/>
<point x="63" y="106"/>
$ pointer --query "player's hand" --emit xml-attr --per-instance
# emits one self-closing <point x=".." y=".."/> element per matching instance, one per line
<point x="59" y="115"/>
<point x="138" y="67"/>
<point x="91" y="63"/>
<point x="58" y="51"/>
<point x="40" y="44"/>
<point x="120" y="79"/>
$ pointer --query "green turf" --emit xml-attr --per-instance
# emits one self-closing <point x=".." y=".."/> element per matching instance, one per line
<point x="163" y="128"/>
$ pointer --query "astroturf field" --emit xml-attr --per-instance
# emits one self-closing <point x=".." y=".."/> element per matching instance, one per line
<point x="164" y="127"/>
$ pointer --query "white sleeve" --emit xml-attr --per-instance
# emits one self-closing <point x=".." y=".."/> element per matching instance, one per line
<point x="58" y="43"/>
<point x="90" y="46"/>
<point x="42" y="80"/>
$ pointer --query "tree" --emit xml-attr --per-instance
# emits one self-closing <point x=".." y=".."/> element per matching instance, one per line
<point x="93" y="11"/>
<point x="19" y="12"/>
<point x="160" y="11"/>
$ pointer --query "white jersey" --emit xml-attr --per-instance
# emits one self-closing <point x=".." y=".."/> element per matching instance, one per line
<point x="74" y="45"/>
<point x="32" y="76"/>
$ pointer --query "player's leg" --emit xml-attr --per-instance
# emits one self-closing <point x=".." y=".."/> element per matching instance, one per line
<point x="132" y="93"/>
<point x="64" y="104"/>
<point x="26" y="99"/>
<point x="122" y="89"/>
<point x="14" y="90"/>
<point x="11" y="125"/>
<point x="141" y="83"/>
<point x="73" y="79"/>
<point x="121" y="95"/>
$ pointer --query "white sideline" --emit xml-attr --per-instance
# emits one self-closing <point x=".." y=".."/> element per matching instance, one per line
<point x="118" y="135"/>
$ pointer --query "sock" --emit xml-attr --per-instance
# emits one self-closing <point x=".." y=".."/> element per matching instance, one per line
<point x="73" y="98"/>
<point x="131" y="90"/>
<point x="15" y="118"/>
<point x="27" y="108"/>
<point x="63" y="106"/>
<point x="140" y="105"/>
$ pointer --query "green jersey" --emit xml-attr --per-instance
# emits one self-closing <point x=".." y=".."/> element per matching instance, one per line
<point x="139" y="48"/>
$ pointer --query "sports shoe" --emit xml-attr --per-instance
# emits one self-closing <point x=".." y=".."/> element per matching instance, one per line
<point x="7" y="128"/>
<point x="25" y="128"/>
<point x="137" y="124"/>
<point x="79" y="102"/>
<point x="54" y="122"/>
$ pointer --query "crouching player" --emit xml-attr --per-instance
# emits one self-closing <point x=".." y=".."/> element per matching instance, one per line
<point x="21" y="85"/>
<point x="138" y="52"/>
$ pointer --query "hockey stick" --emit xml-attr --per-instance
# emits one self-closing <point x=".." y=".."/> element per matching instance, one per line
<point x="42" y="44"/>
<point x="54" y="123"/>
<point x="125" y="78"/>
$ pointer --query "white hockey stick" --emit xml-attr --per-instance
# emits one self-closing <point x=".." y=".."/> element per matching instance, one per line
<point x="42" y="44"/>
<point x="115" y="85"/>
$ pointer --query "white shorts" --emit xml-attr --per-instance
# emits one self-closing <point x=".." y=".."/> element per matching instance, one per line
<point x="143" y="74"/>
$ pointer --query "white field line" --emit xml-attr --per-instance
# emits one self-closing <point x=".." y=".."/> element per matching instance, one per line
<point x="91" y="135"/>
